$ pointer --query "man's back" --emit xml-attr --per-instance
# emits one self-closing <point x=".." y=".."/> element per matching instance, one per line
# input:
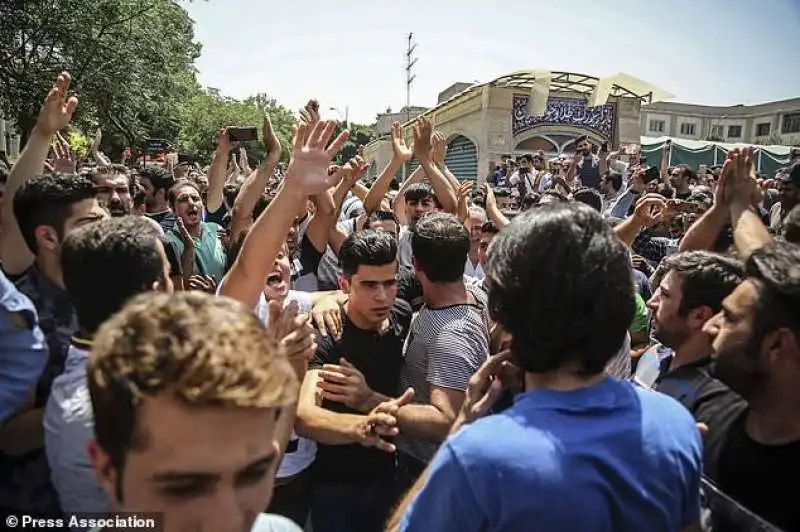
<point x="609" y="457"/>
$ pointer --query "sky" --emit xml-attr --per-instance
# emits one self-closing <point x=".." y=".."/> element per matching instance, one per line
<point x="350" y="55"/>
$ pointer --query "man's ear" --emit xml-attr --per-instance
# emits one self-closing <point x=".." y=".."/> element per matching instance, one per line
<point x="46" y="237"/>
<point x="344" y="284"/>
<point x="104" y="470"/>
<point x="698" y="317"/>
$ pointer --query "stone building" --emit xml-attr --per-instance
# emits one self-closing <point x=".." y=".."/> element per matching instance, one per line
<point x="487" y="122"/>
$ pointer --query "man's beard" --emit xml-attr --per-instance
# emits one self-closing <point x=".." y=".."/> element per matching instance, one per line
<point x="672" y="338"/>
<point x="741" y="369"/>
<point x="118" y="210"/>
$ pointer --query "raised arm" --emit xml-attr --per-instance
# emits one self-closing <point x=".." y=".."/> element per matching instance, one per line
<point x="306" y="175"/>
<point x="400" y="155"/>
<point x="55" y="114"/>
<point x="422" y="150"/>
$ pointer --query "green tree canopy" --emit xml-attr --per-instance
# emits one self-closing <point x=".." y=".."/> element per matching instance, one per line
<point x="208" y="111"/>
<point x="132" y="63"/>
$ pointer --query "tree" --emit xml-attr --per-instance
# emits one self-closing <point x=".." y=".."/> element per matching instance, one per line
<point x="208" y="111"/>
<point x="132" y="63"/>
<point x="360" y="135"/>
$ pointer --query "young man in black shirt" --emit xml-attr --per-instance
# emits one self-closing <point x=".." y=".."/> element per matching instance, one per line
<point x="755" y="456"/>
<point x="354" y="473"/>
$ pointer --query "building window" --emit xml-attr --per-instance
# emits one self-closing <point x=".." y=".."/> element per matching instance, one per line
<point x="734" y="132"/>
<point x="791" y="123"/>
<point x="716" y="131"/>
<point x="687" y="129"/>
<point x="656" y="126"/>
<point x="762" y="130"/>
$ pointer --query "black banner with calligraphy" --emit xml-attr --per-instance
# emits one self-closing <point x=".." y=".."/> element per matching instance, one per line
<point x="565" y="112"/>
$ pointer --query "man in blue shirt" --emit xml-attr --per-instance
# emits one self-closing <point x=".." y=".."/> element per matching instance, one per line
<point x="578" y="450"/>
<point x="23" y="353"/>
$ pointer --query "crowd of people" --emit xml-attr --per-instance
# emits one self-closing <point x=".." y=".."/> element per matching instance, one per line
<point x="577" y="344"/>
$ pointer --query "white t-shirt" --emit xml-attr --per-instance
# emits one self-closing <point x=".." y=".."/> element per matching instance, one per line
<point x="404" y="253"/>
<point x="305" y="450"/>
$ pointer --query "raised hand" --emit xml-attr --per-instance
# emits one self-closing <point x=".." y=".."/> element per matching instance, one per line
<point x="271" y="141"/>
<point x="203" y="283"/>
<point x="186" y="238"/>
<point x="483" y="389"/>
<point x="309" y="115"/>
<point x="57" y="110"/>
<point x="650" y="210"/>
<point x="422" y="132"/>
<point x="401" y="151"/>
<point x="292" y="332"/>
<point x="64" y="161"/>
<point x="439" y="150"/>
<point x="310" y="157"/>
<point x="354" y="170"/>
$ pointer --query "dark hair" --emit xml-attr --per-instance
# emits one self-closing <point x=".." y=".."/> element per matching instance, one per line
<point x="3" y="174"/>
<point x="380" y="216"/>
<point x="502" y="192"/>
<point x="439" y="245"/>
<point x="420" y="192"/>
<point x="526" y="157"/>
<point x="590" y="197"/>
<point x="581" y="139"/>
<point x="172" y="195"/>
<point x="118" y="254"/>
<point x="707" y="278"/>
<point x="615" y="178"/>
<point x="773" y="269"/>
<point x="687" y="172"/>
<point x="160" y="178"/>
<point x="48" y="200"/>
<point x="139" y="195"/>
<point x="367" y="248"/>
<point x="489" y="227"/>
<point x="552" y="193"/>
<point x="791" y="226"/>
<point x="579" y="316"/>
<point x="230" y="191"/>
<point x="530" y="200"/>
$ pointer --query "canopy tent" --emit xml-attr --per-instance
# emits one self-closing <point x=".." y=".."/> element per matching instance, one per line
<point x="697" y="152"/>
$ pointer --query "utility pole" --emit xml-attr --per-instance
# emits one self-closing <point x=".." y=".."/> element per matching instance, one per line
<point x="410" y="62"/>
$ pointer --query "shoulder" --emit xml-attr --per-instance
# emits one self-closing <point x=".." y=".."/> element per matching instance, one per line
<point x="662" y="414"/>
<point x="274" y="523"/>
<point x="402" y="309"/>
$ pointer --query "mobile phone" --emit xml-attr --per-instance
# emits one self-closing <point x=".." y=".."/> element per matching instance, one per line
<point x="651" y="173"/>
<point x="239" y="134"/>
<point x="687" y="207"/>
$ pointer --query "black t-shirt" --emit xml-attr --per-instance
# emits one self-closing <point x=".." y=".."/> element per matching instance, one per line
<point x="409" y="288"/>
<point x="165" y="219"/>
<point x="175" y="269"/>
<point x="218" y="216"/>
<point x="760" y="477"/>
<point x="379" y="357"/>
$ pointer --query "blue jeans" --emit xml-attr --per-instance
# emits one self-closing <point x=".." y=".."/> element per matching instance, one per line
<point x="357" y="506"/>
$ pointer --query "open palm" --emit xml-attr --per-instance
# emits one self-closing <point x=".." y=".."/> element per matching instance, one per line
<point x="401" y="151"/>
<point x="57" y="110"/>
<point x="311" y="156"/>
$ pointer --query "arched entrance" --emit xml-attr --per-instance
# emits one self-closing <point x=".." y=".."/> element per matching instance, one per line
<point x="552" y="144"/>
<point x="462" y="158"/>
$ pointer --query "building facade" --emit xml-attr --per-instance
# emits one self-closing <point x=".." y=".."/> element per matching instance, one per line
<point x="766" y="123"/>
<point x="487" y="123"/>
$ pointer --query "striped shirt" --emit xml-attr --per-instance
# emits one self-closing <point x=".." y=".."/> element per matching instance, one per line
<point x="444" y="348"/>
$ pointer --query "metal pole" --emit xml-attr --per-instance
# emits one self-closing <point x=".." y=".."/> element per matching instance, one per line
<point x="759" y="161"/>
<point x="410" y="61"/>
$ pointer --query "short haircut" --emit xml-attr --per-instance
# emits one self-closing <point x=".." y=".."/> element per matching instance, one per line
<point x="440" y="244"/>
<point x="773" y="269"/>
<point x="590" y="197"/>
<point x="230" y="191"/>
<point x="159" y="177"/>
<point x="172" y="194"/>
<point x="200" y="349"/>
<point x="118" y="254"/>
<point x="477" y="211"/>
<point x="687" y="172"/>
<point x="555" y="194"/>
<point x="420" y="192"/>
<point x="791" y="226"/>
<point x="489" y="227"/>
<point x="578" y="317"/>
<point x="48" y="200"/>
<point x="367" y="248"/>
<point x="380" y="216"/>
<point x="530" y="200"/>
<point x="707" y="278"/>
<point x="581" y="139"/>
<point x="615" y="178"/>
